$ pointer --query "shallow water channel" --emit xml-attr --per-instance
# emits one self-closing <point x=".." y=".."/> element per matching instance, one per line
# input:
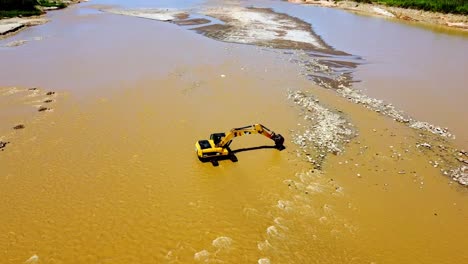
<point x="108" y="174"/>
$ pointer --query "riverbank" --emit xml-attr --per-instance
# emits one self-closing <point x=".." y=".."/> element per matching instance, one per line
<point x="12" y="25"/>
<point x="448" y="20"/>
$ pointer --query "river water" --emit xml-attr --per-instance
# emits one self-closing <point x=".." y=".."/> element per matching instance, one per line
<point x="410" y="65"/>
<point x="110" y="176"/>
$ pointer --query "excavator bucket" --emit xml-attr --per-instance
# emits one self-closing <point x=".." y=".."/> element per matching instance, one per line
<point x="279" y="141"/>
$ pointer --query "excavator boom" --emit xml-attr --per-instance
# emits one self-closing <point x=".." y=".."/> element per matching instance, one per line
<point x="247" y="130"/>
<point x="218" y="144"/>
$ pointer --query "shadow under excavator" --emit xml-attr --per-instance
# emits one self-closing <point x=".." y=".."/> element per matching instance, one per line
<point x="259" y="147"/>
<point x="233" y="157"/>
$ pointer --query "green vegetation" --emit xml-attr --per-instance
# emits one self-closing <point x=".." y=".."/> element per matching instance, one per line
<point x="46" y="3"/>
<point x="12" y="8"/>
<point x="443" y="6"/>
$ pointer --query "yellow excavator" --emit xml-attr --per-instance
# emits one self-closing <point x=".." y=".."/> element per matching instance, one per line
<point x="217" y="147"/>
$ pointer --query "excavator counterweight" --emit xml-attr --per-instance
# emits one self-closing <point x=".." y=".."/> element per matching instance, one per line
<point x="217" y="147"/>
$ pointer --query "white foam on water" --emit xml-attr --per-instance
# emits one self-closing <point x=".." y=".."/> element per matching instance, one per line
<point x="272" y="231"/>
<point x="327" y="208"/>
<point x="222" y="242"/>
<point x="284" y="205"/>
<point x="280" y="223"/>
<point x="264" y="261"/>
<point x="32" y="260"/>
<point x="154" y="14"/>
<point x="323" y="219"/>
<point x="263" y="245"/>
<point x="202" y="255"/>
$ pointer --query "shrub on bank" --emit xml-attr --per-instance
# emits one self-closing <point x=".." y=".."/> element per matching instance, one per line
<point x="443" y="6"/>
<point x="47" y="3"/>
<point x="12" y="8"/>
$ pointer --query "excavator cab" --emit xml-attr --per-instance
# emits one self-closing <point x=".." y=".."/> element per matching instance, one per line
<point x="217" y="137"/>
<point x="217" y="147"/>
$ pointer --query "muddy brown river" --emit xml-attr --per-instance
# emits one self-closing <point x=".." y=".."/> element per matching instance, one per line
<point x="106" y="172"/>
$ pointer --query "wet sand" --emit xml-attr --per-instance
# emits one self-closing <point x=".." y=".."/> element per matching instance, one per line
<point x="111" y="176"/>
<point x="11" y="26"/>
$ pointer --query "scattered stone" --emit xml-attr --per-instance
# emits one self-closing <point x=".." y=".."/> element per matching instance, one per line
<point x="444" y="132"/>
<point x="32" y="89"/>
<point x="3" y="145"/>
<point x="459" y="175"/>
<point x="426" y="145"/>
<point x="20" y="126"/>
<point x="327" y="130"/>
<point x="359" y="97"/>
<point x="42" y="109"/>
<point x="50" y="93"/>
<point x="48" y="101"/>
